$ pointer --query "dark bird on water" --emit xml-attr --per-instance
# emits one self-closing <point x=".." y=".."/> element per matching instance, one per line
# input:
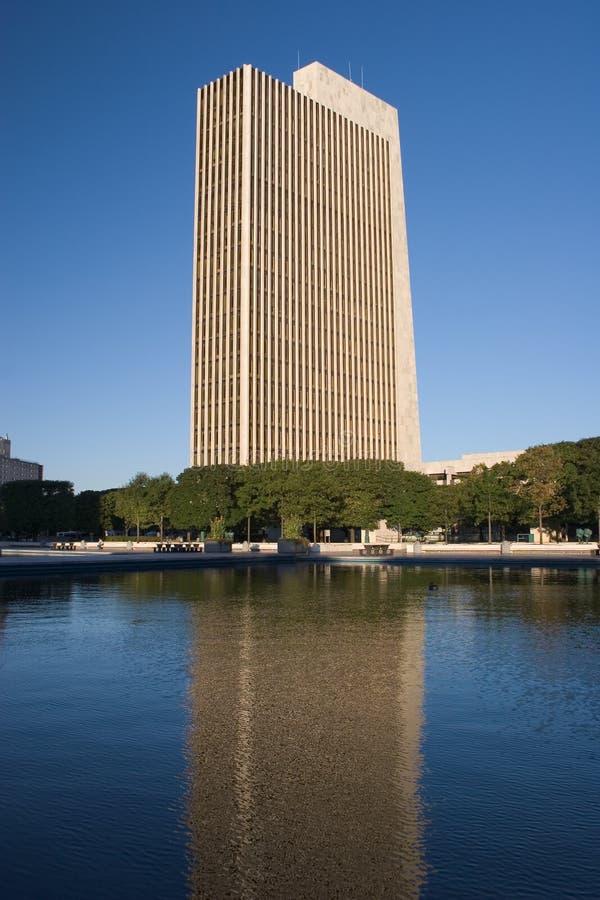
<point x="433" y="586"/>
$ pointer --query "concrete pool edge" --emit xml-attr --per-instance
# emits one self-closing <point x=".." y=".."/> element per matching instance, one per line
<point x="39" y="564"/>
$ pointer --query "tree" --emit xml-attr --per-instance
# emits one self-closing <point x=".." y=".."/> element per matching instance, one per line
<point x="30" y="508"/>
<point x="322" y="502"/>
<point x="254" y="496"/>
<point x="159" y="495"/>
<point x="541" y="471"/>
<point x="88" y="514"/>
<point x="203" y="493"/>
<point x="445" y="503"/>
<point x="311" y="494"/>
<point x="58" y="505"/>
<point x="133" y="505"/>
<point x="581" y="481"/>
<point x="360" y="487"/>
<point x="487" y="495"/>
<point x="272" y="490"/>
<point x="109" y="519"/>
<point x="409" y="501"/>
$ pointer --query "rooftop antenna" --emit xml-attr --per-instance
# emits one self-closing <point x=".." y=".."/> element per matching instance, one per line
<point x="362" y="78"/>
<point x="298" y="59"/>
<point x="349" y="71"/>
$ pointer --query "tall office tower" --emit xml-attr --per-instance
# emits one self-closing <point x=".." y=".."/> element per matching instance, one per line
<point x="302" y="326"/>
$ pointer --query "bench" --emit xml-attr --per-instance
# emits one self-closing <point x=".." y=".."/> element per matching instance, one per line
<point x="177" y="547"/>
<point x="375" y="550"/>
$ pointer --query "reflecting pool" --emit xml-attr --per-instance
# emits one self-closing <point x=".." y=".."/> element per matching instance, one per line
<point x="301" y="731"/>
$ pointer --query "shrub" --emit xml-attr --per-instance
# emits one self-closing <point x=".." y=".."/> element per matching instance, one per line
<point x="292" y="530"/>
<point x="217" y="530"/>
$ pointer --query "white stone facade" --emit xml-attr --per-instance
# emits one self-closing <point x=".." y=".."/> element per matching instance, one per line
<point x="447" y="471"/>
<point x="302" y="323"/>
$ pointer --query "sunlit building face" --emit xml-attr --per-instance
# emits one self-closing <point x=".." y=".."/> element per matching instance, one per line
<point x="302" y="341"/>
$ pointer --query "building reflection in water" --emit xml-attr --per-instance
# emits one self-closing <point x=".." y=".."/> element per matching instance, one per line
<point x="304" y="743"/>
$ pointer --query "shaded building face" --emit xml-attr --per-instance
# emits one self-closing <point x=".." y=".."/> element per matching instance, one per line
<point x="12" y="469"/>
<point x="302" y="326"/>
<point x="304" y="744"/>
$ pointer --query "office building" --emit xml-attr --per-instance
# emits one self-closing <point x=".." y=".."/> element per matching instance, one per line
<point x="302" y="342"/>
<point x="17" y="469"/>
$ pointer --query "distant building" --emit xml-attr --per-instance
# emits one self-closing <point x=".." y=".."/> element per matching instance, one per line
<point x="17" y="469"/>
<point x="302" y="326"/>
<point x="448" y="471"/>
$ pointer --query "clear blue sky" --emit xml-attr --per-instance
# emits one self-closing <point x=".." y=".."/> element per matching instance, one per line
<point x="500" y="129"/>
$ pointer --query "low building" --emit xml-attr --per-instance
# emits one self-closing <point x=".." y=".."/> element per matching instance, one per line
<point x="17" y="469"/>
<point x="448" y="471"/>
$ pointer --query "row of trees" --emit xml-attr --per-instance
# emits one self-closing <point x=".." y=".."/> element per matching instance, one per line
<point x="29" y="508"/>
<point x="555" y="487"/>
<point x="298" y="496"/>
<point x="552" y="486"/>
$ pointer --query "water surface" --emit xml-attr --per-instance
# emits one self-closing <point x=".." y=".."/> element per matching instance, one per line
<point x="301" y="731"/>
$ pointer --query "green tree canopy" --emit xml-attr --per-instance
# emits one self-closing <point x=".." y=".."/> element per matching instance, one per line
<point x="203" y="493"/>
<point x="581" y="480"/>
<point x="31" y="508"/>
<point x="258" y="492"/>
<point x="311" y="495"/>
<point x="540" y="472"/>
<point x="159" y="493"/>
<point x="409" y="503"/>
<point x="488" y="495"/>
<point x="446" y="503"/>
<point x="88" y="514"/>
<point x="360" y="486"/>
<point x="109" y="518"/>
<point x="133" y="503"/>
<point x="544" y="482"/>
